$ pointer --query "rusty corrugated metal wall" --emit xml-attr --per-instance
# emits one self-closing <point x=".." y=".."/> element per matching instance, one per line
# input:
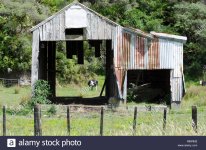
<point x="137" y="52"/>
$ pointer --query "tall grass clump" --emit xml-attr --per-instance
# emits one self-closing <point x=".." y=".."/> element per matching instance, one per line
<point x="16" y="89"/>
<point x="52" y="110"/>
<point x="195" y="95"/>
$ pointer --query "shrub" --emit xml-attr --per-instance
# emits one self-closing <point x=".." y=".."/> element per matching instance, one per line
<point x="52" y="110"/>
<point x="41" y="93"/>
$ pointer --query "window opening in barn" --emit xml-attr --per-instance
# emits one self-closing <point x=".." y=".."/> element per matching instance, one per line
<point x="74" y="34"/>
<point x="74" y="31"/>
<point x="149" y="86"/>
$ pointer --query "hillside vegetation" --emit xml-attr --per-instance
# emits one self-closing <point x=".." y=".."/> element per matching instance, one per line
<point x="181" y="17"/>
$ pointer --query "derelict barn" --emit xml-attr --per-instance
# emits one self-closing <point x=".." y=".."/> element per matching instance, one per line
<point x="132" y="56"/>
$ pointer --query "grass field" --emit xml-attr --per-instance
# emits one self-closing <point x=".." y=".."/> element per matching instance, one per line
<point x="83" y="90"/>
<point x="8" y="96"/>
<point x="179" y="122"/>
<point x="115" y="123"/>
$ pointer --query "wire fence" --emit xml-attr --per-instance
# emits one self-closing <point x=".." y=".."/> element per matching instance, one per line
<point x="11" y="82"/>
<point x="101" y="121"/>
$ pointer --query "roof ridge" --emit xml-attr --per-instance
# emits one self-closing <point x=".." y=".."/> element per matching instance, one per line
<point x="68" y="6"/>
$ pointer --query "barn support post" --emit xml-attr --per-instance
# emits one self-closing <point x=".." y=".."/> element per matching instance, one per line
<point x="43" y="46"/>
<point x="109" y="65"/>
<point x="80" y="52"/>
<point x="52" y="67"/>
<point x="69" y="46"/>
<point x="125" y="88"/>
<point x="176" y="90"/>
<point x="35" y="62"/>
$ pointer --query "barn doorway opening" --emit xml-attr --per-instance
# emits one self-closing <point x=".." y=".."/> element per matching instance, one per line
<point x="82" y="56"/>
<point x="149" y="86"/>
<point x="83" y="61"/>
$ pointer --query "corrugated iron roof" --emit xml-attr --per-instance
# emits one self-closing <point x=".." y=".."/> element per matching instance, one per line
<point x="169" y="36"/>
<point x="138" y="32"/>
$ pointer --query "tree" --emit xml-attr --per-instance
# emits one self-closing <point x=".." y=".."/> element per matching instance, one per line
<point x="190" y="21"/>
<point x="16" y="18"/>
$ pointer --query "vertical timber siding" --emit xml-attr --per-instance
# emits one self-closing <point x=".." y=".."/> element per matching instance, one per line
<point x="35" y="55"/>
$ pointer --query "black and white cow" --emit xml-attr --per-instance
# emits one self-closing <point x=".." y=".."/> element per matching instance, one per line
<point x="92" y="84"/>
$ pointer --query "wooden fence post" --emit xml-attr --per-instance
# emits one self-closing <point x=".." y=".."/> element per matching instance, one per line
<point x="4" y="121"/>
<point x="68" y="120"/>
<point x="194" y="118"/>
<point x="101" y="121"/>
<point x="37" y="121"/>
<point x="135" y="121"/>
<point x="164" y="118"/>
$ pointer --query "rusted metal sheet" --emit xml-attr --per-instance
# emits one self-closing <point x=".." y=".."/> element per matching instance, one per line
<point x="139" y="52"/>
<point x="118" y="49"/>
<point x="126" y="49"/>
<point x="143" y="53"/>
<point x="154" y="54"/>
<point x="120" y="73"/>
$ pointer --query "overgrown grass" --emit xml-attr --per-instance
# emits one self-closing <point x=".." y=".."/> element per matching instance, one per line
<point x="9" y="97"/>
<point x="195" y="95"/>
<point x="116" y="123"/>
<point x="81" y="90"/>
<point x="15" y="95"/>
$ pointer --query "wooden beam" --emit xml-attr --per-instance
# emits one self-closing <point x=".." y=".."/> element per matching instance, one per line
<point x="69" y="46"/>
<point x="103" y="88"/>
<point x="109" y="64"/>
<point x="80" y="49"/>
<point x="125" y="88"/>
<point x="43" y="46"/>
<point x="96" y="44"/>
<point x="52" y="67"/>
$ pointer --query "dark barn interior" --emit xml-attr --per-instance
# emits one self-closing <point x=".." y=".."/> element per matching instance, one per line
<point x="149" y="85"/>
<point x="74" y="46"/>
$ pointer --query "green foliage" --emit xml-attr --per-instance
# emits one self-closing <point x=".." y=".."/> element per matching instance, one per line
<point x="68" y="71"/>
<point x="55" y="5"/>
<point x="183" y="17"/>
<point x="146" y="15"/>
<point x="41" y="93"/>
<point x="52" y="110"/>
<point x="19" y="110"/>
<point x="16" y="18"/>
<point x="190" y="20"/>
